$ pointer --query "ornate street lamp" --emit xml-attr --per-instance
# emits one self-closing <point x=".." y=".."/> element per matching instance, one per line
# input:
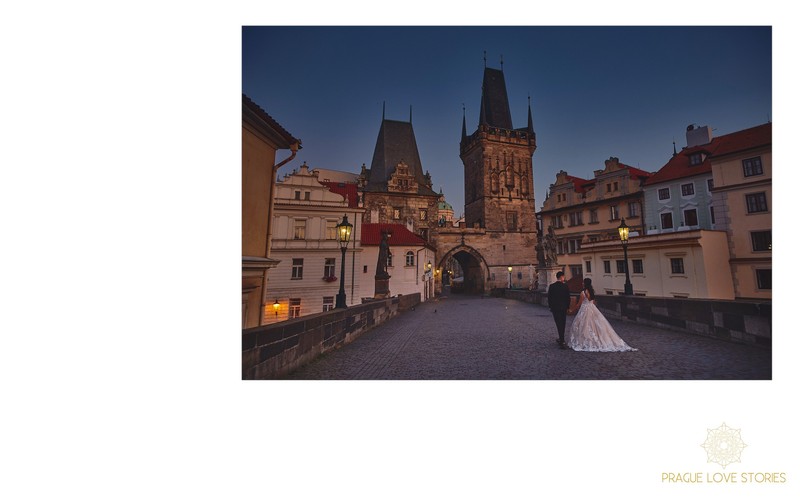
<point x="343" y="232"/>
<point x="509" y="276"/>
<point x="623" y="236"/>
<point x="276" y="305"/>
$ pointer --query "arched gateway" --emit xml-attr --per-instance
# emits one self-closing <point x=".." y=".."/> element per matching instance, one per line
<point x="473" y="267"/>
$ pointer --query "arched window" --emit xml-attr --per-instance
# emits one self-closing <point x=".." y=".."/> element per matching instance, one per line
<point x="495" y="183"/>
<point x="409" y="258"/>
<point x="509" y="177"/>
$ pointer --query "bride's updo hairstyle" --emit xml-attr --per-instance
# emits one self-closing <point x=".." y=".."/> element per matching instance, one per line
<point x="587" y="284"/>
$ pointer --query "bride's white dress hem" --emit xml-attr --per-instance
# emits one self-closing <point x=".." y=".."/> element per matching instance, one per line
<point x="591" y="332"/>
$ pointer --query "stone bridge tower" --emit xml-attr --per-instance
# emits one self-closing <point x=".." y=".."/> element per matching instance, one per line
<point x="498" y="195"/>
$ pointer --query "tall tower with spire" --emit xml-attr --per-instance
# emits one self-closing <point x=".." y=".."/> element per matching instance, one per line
<point x="498" y="164"/>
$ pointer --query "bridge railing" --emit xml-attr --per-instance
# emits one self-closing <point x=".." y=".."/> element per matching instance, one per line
<point x="748" y="322"/>
<point x="275" y="350"/>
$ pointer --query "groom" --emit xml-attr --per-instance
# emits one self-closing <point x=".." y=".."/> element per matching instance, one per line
<point x="558" y="300"/>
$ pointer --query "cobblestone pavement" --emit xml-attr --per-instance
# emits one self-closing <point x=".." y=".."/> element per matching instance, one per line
<point x="473" y="338"/>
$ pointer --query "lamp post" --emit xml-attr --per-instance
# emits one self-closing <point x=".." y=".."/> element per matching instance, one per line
<point x="623" y="236"/>
<point x="509" y="277"/>
<point x="343" y="232"/>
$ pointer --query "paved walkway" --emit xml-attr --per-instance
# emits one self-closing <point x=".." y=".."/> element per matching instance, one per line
<point x="473" y="338"/>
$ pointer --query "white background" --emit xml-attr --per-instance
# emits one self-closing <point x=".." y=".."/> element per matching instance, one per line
<point x="120" y="365"/>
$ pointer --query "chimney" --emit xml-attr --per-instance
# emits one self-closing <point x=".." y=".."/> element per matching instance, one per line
<point x="697" y="135"/>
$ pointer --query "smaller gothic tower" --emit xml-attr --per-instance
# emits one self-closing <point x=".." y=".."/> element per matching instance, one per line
<point x="396" y="189"/>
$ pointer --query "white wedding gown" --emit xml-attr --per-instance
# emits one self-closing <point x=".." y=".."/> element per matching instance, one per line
<point x="591" y="332"/>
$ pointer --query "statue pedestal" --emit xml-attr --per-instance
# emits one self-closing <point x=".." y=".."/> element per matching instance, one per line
<point x="546" y="276"/>
<point x="382" y="287"/>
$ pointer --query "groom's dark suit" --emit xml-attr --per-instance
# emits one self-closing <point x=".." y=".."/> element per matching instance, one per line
<point x="558" y="300"/>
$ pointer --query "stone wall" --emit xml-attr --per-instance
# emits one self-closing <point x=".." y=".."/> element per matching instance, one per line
<point x="275" y="350"/>
<point x="748" y="322"/>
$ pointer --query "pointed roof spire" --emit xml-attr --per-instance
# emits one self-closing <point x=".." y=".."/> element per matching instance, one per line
<point x="674" y="152"/>
<point x="530" y="117"/>
<point x="494" y="100"/>
<point x="463" y="122"/>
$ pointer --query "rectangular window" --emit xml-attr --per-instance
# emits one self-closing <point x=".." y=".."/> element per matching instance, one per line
<point x="638" y="266"/>
<point x="573" y="246"/>
<point x="297" y="195"/>
<point x="752" y="166"/>
<point x="556" y="222"/>
<point x="663" y="194"/>
<point x="690" y="217"/>
<point x="607" y="267"/>
<point x="299" y="230"/>
<point x="676" y="263"/>
<point x="687" y="189"/>
<point x="330" y="268"/>
<point x="633" y="209"/>
<point x="616" y="185"/>
<point x="762" y="240"/>
<point x="511" y="221"/>
<point x="620" y="266"/>
<point x="710" y="184"/>
<point x="576" y="218"/>
<point x="614" y="212"/>
<point x="713" y="219"/>
<point x="756" y="202"/>
<point x="294" y="308"/>
<point x="608" y="187"/>
<point x="593" y="216"/>
<point x="330" y="230"/>
<point x="764" y="278"/>
<point x="576" y="271"/>
<point x="409" y="258"/>
<point x="695" y="159"/>
<point x="308" y="196"/>
<point x="396" y="213"/>
<point x="666" y="220"/>
<point x="327" y="303"/>
<point x="588" y="266"/>
<point x="297" y="269"/>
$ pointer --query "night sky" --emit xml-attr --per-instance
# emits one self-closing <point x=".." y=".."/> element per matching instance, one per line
<point x="596" y="92"/>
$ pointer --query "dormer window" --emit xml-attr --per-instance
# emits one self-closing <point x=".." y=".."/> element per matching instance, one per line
<point x="695" y="159"/>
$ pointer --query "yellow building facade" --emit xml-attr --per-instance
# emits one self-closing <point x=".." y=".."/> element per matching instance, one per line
<point x="584" y="211"/>
<point x="262" y="137"/>
<point x="742" y="201"/>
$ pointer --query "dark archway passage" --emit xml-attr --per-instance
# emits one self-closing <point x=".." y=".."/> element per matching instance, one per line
<point x="469" y="270"/>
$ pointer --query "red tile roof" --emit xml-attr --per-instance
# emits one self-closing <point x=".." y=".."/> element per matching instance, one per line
<point x="349" y="191"/>
<point x="371" y="235"/>
<point x="750" y="138"/>
<point x="678" y="166"/>
<point x="579" y="183"/>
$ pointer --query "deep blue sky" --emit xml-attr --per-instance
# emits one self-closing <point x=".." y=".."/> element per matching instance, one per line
<point x="595" y="92"/>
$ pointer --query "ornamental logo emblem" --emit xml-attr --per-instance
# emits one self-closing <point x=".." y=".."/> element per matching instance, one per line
<point x="724" y="445"/>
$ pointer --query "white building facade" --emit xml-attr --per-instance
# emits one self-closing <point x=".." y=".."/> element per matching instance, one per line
<point x="305" y="217"/>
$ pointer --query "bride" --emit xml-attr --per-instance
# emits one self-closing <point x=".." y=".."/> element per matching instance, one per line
<point x="590" y="331"/>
